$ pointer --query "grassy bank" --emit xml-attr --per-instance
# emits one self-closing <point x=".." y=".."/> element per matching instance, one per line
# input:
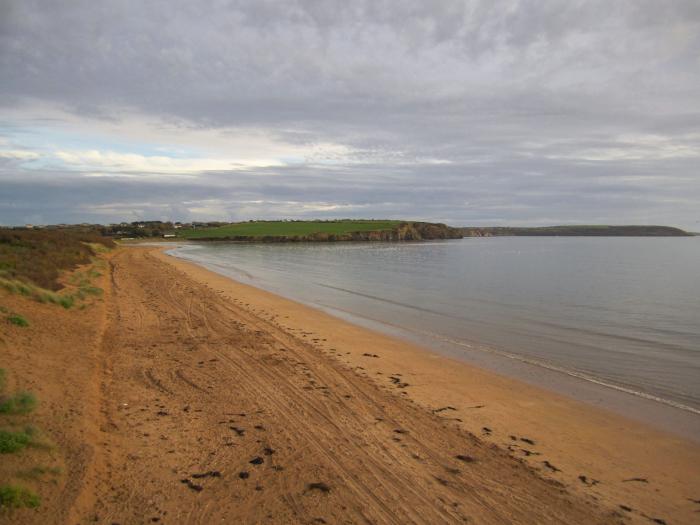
<point x="287" y="228"/>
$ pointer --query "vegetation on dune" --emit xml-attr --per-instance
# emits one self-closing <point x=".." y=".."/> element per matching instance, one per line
<point x="17" y="320"/>
<point x="20" y="403"/>
<point x="32" y="262"/>
<point x="37" y="258"/>
<point x="37" y="293"/>
<point x="13" y="497"/>
<point x="12" y="441"/>
<point x="15" y="440"/>
<point x="287" y="228"/>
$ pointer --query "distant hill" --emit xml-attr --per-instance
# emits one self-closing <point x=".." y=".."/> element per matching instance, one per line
<point x="575" y="231"/>
<point x="321" y="231"/>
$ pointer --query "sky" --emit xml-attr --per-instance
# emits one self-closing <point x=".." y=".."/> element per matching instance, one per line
<point x="493" y="112"/>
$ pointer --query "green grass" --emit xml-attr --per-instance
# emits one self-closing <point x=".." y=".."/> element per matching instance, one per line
<point x="65" y="299"/>
<point x="21" y="403"/>
<point x="288" y="228"/>
<point x="17" y="320"/>
<point x="17" y="287"/>
<point x="88" y="289"/>
<point x="14" y="497"/>
<point x="37" y="293"/>
<point x="14" y="441"/>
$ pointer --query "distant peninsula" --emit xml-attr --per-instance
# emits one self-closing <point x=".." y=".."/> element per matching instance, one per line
<point x="320" y="231"/>
<point x="575" y="231"/>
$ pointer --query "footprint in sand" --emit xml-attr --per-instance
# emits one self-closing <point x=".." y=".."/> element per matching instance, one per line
<point x="320" y="486"/>
<point x="550" y="466"/>
<point x="191" y="485"/>
<point x="238" y="431"/>
<point x="588" y="481"/>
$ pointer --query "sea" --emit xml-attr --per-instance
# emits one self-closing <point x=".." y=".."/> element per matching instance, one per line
<point x="612" y="321"/>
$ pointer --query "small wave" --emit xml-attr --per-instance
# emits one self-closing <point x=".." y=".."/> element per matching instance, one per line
<point x="391" y="301"/>
<point x="530" y="361"/>
<point x="568" y="372"/>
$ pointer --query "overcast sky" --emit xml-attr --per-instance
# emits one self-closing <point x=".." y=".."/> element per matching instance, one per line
<point x="468" y="112"/>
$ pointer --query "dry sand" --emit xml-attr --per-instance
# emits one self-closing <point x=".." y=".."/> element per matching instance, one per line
<point x="185" y="397"/>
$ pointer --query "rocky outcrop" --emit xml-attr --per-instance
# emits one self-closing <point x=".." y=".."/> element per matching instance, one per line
<point x="406" y="231"/>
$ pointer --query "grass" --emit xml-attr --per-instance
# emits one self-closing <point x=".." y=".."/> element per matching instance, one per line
<point x="17" y="320"/>
<point x="21" y="403"/>
<point x="37" y="293"/>
<point x="66" y="299"/>
<point x="14" y="497"/>
<point x="288" y="228"/>
<point x="14" y="441"/>
<point x="11" y="441"/>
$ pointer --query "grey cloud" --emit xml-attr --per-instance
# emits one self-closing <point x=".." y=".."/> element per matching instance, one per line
<point x="512" y="93"/>
<point x="457" y="194"/>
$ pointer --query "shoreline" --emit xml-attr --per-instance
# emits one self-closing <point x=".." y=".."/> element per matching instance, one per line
<point x="589" y="449"/>
<point x="663" y="414"/>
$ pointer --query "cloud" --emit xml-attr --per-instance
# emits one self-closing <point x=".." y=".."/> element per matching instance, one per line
<point x="133" y="164"/>
<point x="18" y="154"/>
<point x="529" y="111"/>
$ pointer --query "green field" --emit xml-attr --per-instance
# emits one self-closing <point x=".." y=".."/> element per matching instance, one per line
<point x="286" y="228"/>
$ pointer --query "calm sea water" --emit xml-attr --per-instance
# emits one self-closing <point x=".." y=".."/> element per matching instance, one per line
<point x="620" y="312"/>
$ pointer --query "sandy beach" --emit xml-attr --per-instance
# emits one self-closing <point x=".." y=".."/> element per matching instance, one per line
<point x="186" y="397"/>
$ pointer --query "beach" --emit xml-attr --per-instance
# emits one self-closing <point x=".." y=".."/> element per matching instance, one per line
<point x="194" y="398"/>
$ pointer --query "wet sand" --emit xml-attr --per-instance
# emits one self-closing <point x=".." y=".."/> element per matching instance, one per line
<point x="185" y="397"/>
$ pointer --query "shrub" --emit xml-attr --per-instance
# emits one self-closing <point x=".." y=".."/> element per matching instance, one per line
<point x="21" y="403"/>
<point x="17" y="320"/>
<point x="39" y="257"/>
<point x="15" y="497"/>
<point x="15" y="441"/>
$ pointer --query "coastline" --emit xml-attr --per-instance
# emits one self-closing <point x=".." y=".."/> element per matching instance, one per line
<point x="535" y="310"/>
<point x="588" y="449"/>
